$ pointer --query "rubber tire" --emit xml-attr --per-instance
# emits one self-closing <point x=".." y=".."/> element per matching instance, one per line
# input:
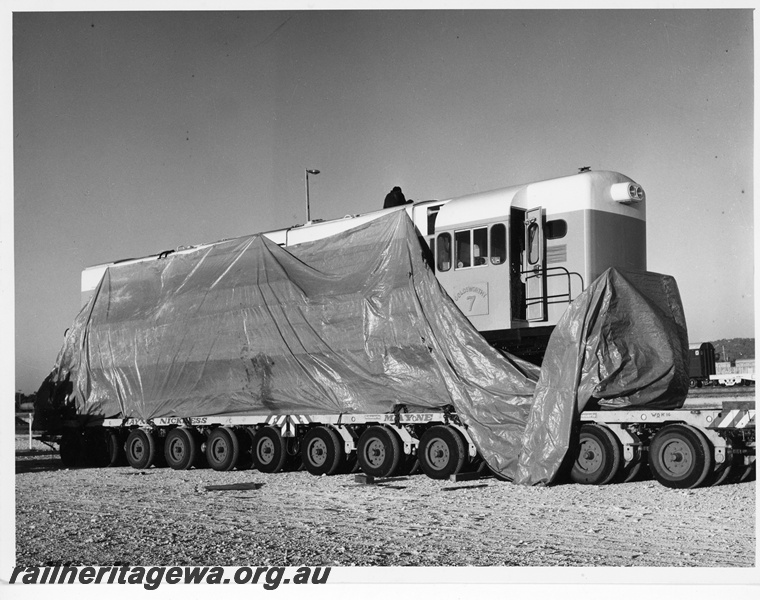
<point x="636" y="471"/>
<point x="376" y="439"/>
<point x="741" y="472"/>
<point x="269" y="450"/>
<point x="409" y="465"/>
<point x="322" y="451"/>
<point x="690" y="440"/>
<point x="293" y="461"/>
<point x="102" y="448"/>
<point x="93" y="448"/>
<point x="351" y="464"/>
<point x="481" y="466"/>
<point x="115" y="448"/>
<point x="222" y="449"/>
<point x="441" y="439"/>
<point x="245" y="444"/>
<point x="70" y="448"/>
<point x="749" y="474"/>
<point x="181" y="449"/>
<point x="140" y="448"/>
<point x="601" y="443"/>
<point x="720" y="476"/>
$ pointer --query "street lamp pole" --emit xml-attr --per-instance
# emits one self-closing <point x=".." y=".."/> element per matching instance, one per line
<point x="308" y="208"/>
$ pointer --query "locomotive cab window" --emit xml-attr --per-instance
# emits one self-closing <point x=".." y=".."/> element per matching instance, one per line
<point x="498" y="244"/>
<point x="479" y="246"/>
<point x="556" y="229"/>
<point x="443" y="252"/>
<point x="471" y="247"/>
<point x="463" y="244"/>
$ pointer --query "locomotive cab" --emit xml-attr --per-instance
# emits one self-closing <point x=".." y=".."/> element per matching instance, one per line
<point x="514" y="258"/>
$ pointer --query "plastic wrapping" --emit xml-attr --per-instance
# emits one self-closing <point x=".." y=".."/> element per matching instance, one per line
<point x="621" y="343"/>
<point x="355" y="323"/>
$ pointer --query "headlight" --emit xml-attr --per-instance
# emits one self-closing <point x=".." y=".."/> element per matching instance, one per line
<point x="627" y="192"/>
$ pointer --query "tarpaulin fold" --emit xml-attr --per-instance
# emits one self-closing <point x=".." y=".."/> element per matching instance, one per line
<point x="353" y="323"/>
<point x="623" y="342"/>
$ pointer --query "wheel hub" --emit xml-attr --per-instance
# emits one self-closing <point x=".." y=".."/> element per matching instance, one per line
<point x="266" y="451"/>
<point x="138" y="449"/>
<point x="177" y="450"/>
<point x="317" y="452"/>
<point x="219" y="451"/>
<point x="375" y="453"/>
<point x="677" y="458"/>
<point x="438" y="454"/>
<point x="590" y="456"/>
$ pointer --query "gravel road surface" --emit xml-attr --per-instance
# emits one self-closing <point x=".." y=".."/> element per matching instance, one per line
<point x="203" y="517"/>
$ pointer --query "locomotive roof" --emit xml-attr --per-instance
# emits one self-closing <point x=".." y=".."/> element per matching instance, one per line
<point x="591" y="190"/>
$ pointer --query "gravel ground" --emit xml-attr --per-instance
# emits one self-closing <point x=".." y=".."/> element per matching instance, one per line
<point x="164" y="517"/>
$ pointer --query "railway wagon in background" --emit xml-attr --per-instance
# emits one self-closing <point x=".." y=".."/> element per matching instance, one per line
<point x="512" y="260"/>
<point x="742" y="372"/>
<point x="701" y="364"/>
<point x="705" y="371"/>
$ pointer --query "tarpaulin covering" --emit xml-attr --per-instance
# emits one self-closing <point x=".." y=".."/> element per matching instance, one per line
<point x="623" y="342"/>
<point x="353" y="323"/>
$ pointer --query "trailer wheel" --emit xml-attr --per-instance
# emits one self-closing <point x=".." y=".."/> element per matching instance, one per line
<point x="222" y="450"/>
<point x="351" y="464"/>
<point x="269" y="450"/>
<point x="722" y="474"/>
<point x="93" y="448"/>
<point x="599" y="456"/>
<point x="293" y="461"/>
<point x="408" y="465"/>
<point x="441" y="452"/>
<point x="638" y="470"/>
<point x="181" y="449"/>
<point x="379" y="451"/>
<point x="70" y="448"/>
<point x="115" y="448"/>
<point x="680" y="457"/>
<point x="322" y="451"/>
<point x="103" y="448"/>
<point x="140" y="449"/>
<point x="245" y="445"/>
<point x="742" y="472"/>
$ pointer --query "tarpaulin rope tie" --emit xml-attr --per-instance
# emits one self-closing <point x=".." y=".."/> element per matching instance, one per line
<point x="397" y="410"/>
<point x="448" y="413"/>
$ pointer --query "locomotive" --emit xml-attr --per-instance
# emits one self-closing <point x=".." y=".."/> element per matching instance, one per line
<point x="512" y="259"/>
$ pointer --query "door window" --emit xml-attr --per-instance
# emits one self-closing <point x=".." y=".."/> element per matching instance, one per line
<point x="534" y="250"/>
<point x="443" y="252"/>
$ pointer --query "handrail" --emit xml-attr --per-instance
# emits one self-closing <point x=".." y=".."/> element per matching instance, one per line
<point x="561" y="298"/>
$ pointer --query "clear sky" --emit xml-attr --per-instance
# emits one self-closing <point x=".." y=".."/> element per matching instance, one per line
<point x="135" y="133"/>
